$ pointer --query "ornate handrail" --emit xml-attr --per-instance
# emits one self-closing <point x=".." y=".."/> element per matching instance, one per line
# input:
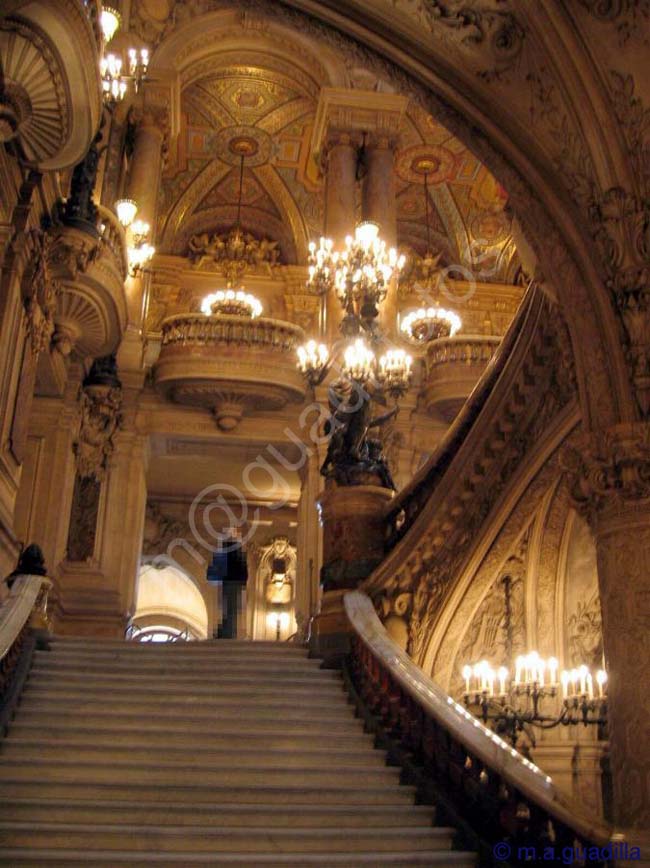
<point x="409" y="502"/>
<point x="496" y="791"/>
<point x="234" y="330"/>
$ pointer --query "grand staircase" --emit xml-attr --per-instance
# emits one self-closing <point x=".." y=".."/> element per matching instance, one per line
<point x="218" y="753"/>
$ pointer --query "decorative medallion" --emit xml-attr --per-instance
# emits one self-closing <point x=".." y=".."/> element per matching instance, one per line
<point x="437" y="163"/>
<point x="252" y="143"/>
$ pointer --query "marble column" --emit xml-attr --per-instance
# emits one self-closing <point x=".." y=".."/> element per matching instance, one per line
<point x="340" y="206"/>
<point x="379" y="202"/>
<point x="380" y="206"/>
<point x="143" y="186"/>
<point x="309" y="543"/>
<point x="610" y="474"/>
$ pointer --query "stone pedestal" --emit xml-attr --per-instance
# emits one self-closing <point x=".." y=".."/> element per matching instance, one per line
<point x="353" y="523"/>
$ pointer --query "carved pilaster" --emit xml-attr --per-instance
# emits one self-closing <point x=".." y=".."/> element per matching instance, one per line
<point x="610" y="481"/>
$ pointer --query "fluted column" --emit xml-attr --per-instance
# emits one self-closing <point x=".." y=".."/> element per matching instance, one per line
<point x="340" y="205"/>
<point x="610" y="474"/>
<point x="380" y="206"/>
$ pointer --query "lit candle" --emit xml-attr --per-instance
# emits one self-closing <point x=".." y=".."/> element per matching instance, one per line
<point x="590" y="686"/>
<point x="552" y="671"/>
<point x="583" y="672"/>
<point x="503" y="674"/>
<point x="601" y="680"/>
<point x="490" y="680"/>
<point x="540" y="671"/>
<point x="467" y="674"/>
<point x="519" y="663"/>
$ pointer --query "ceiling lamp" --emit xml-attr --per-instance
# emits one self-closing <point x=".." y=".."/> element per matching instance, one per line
<point x="231" y="302"/>
<point x="433" y="322"/>
<point x="126" y="209"/>
<point x="430" y="324"/>
<point x="110" y="21"/>
<point x="312" y="360"/>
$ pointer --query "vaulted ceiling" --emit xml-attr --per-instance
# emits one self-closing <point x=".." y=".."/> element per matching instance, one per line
<point x="265" y="89"/>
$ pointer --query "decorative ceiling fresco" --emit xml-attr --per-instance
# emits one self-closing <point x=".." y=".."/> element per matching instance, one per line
<point x="262" y="98"/>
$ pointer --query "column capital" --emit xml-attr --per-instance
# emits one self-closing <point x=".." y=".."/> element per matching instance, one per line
<point x="609" y="471"/>
<point x="350" y="111"/>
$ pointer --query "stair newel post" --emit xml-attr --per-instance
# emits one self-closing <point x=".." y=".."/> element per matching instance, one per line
<point x="353" y="520"/>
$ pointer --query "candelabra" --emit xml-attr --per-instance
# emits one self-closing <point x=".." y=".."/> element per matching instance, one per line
<point x="512" y="705"/>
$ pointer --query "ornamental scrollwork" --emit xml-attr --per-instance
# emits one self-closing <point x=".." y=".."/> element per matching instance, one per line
<point x="609" y="469"/>
<point x="234" y="252"/>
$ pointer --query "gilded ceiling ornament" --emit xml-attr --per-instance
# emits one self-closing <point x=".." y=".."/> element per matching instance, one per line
<point x="234" y="252"/>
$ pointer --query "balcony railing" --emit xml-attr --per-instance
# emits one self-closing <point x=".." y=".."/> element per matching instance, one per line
<point x="262" y="332"/>
<point x="229" y="364"/>
<point x="491" y="793"/>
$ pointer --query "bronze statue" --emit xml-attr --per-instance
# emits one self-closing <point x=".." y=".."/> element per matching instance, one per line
<point x="352" y="457"/>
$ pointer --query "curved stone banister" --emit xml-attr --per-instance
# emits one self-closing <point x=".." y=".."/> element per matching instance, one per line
<point x="17" y="609"/>
<point x="467" y="733"/>
<point x="412" y="497"/>
<point x="114" y="238"/>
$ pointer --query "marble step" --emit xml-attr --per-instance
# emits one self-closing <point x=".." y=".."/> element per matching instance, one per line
<point x="294" y="704"/>
<point x="254" y="722"/>
<point x="176" y="774"/>
<point x="280" y="711"/>
<point x="38" y="858"/>
<point x="212" y="646"/>
<point x="216" y="839"/>
<point x="155" y="664"/>
<point x="243" y="816"/>
<point x="137" y="734"/>
<point x="181" y="681"/>
<point x="107" y="751"/>
<point x="190" y="792"/>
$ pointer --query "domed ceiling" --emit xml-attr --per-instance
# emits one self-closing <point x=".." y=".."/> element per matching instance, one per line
<point x="266" y="92"/>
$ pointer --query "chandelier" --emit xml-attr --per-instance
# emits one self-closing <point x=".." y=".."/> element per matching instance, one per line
<point x="433" y="322"/>
<point x="230" y="302"/>
<point x="139" y="250"/>
<point x="539" y="695"/>
<point x="116" y="72"/>
<point x="430" y="324"/>
<point x="360" y="274"/>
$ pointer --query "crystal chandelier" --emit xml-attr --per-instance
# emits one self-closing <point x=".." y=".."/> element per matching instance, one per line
<point x="110" y="20"/>
<point x="433" y="322"/>
<point x="230" y="302"/>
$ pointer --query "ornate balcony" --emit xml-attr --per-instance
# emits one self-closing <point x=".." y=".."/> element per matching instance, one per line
<point x="91" y="309"/>
<point x="229" y="364"/>
<point x="453" y="367"/>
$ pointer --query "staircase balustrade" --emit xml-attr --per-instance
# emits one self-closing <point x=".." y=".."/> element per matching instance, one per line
<point x="489" y="791"/>
<point x="23" y="613"/>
